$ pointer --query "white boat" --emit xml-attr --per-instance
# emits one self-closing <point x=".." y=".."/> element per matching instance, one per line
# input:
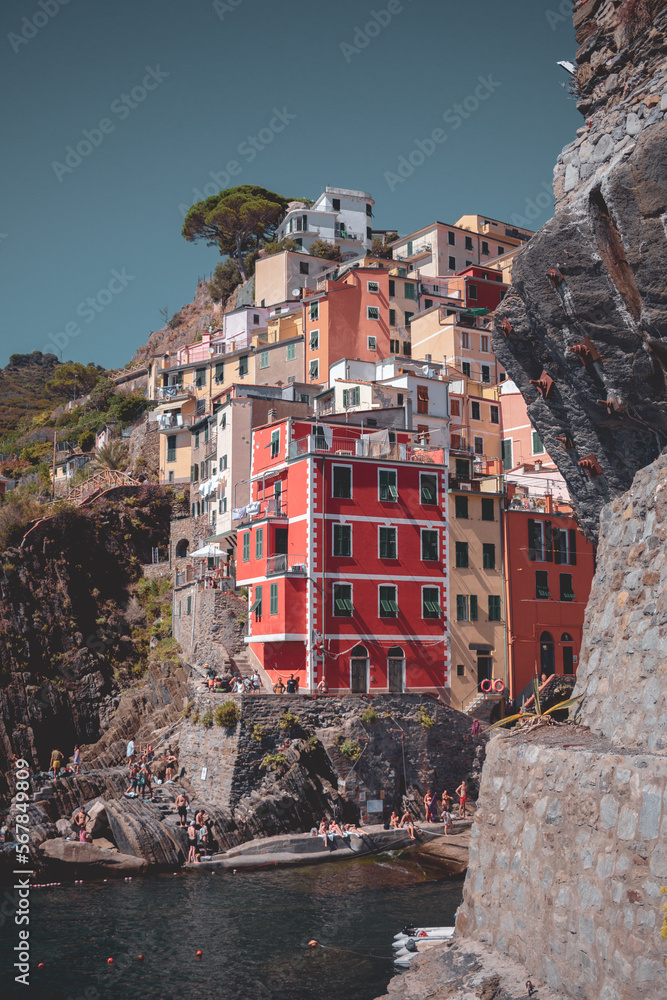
<point x="422" y="934"/>
<point x="404" y="956"/>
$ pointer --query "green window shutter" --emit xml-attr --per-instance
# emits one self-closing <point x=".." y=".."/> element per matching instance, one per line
<point x="274" y="599"/>
<point x="461" y="608"/>
<point x="488" y="555"/>
<point x="494" y="608"/>
<point x="256" y="606"/>
<point x="346" y="397"/>
<point x="392" y="286"/>
<point x="409" y="290"/>
<point x="188" y="606"/>
<point x="392" y="317"/>
<point x="430" y="602"/>
<point x="259" y="543"/>
<point x="246" y="546"/>
<point x="220" y="371"/>
<point x="291" y="352"/>
<point x="462" y="555"/>
<point x="473" y="608"/>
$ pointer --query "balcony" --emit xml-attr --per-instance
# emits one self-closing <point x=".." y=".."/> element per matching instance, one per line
<point x="259" y="509"/>
<point x="366" y="447"/>
<point x="287" y="564"/>
<point x="168" y="392"/>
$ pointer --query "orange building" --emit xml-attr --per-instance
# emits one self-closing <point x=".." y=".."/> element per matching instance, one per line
<point x="548" y="570"/>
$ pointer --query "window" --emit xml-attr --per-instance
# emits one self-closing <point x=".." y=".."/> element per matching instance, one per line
<point x="196" y="444"/>
<point x="220" y="372"/>
<point x="409" y="290"/>
<point x="451" y="263"/>
<point x="369" y="233"/>
<point x="399" y="396"/>
<point x="460" y="670"/>
<point x="387" y="484"/>
<point x="462" y="610"/>
<point x="342" y="539"/>
<point x="507" y="454"/>
<point x="256" y="606"/>
<point x="372" y="343"/>
<point x="465" y="340"/>
<point x="188" y="606"/>
<point x="540" y="543"/>
<point x="243" y="365"/>
<point x="223" y="462"/>
<point x="342" y="482"/>
<point x="304" y="267"/>
<point x="428" y="303"/>
<point x="488" y="555"/>
<point x="410" y="248"/>
<point x="428" y="488"/>
<point x="222" y="506"/>
<point x="455" y="407"/>
<point x="264" y="359"/>
<point x="273" y="599"/>
<point x="291" y="352"/>
<point x="494" y="608"/>
<point x="392" y="317"/>
<point x="407" y="349"/>
<point x="259" y="543"/>
<point x="488" y="509"/>
<point x="495" y="415"/>
<point x="388" y="602"/>
<point x="171" y="448"/>
<point x="335" y="204"/>
<point x="342" y="600"/>
<point x="485" y="249"/>
<point x="314" y="369"/>
<point x="462" y="555"/>
<point x="538" y="447"/>
<point x="430" y="602"/>
<point x="394" y="345"/>
<point x="373" y="286"/>
<point x="479" y="446"/>
<point x="475" y="411"/>
<point x="462" y="468"/>
<point x="541" y="585"/>
<point x="451" y="239"/>
<point x="465" y="368"/>
<point x="275" y="443"/>
<point x="246" y="546"/>
<point x="194" y="472"/>
<point x="200" y="377"/>
<point x="429" y="545"/>
<point x="501" y="251"/>
<point x="566" y="591"/>
<point x="468" y="242"/>
<point x="565" y="546"/>
<point x="392" y="287"/>
<point x="352" y="396"/>
<point x="473" y="608"/>
<point x="461" y="506"/>
<point x="314" y="310"/>
<point x="486" y="373"/>
<point x="314" y="340"/>
<point x="372" y="312"/>
<point x="484" y="343"/>
<point x="387" y="537"/>
<point x="422" y="399"/>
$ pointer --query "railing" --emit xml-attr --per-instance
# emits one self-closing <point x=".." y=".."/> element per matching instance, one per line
<point x="366" y="448"/>
<point x="290" y="564"/>
<point x="173" y="391"/>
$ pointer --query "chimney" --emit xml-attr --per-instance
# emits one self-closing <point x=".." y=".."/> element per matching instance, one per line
<point x="273" y="415"/>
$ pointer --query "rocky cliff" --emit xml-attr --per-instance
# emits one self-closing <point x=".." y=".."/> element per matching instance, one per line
<point x="583" y="330"/>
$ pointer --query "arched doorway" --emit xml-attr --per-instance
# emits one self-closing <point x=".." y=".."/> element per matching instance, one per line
<point x="396" y="669"/>
<point x="568" y="653"/>
<point x="182" y="548"/>
<point x="359" y="670"/>
<point x="547" y="654"/>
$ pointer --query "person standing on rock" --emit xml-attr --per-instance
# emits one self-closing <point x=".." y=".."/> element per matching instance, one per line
<point x="462" y="792"/>
<point x="130" y="752"/>
<point x="192" y="843"/>
<point x="446" y="801"/>
<point x="170" y="760"/>
<point x="182" y="802"/>
<point x="291" y="684"/>
<point x="76" y="760"/>
<point x="256" y="682"/>
<point x="56" y="762"/>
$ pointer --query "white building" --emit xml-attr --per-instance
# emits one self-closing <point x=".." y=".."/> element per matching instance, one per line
<point x="339" y="216"/>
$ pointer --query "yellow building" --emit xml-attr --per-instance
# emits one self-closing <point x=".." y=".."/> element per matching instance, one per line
<point x="441" y="334"/>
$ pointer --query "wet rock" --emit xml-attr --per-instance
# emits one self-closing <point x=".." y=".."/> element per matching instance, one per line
<point x="88" y="855"/>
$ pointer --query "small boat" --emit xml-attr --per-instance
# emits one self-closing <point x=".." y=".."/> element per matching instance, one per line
<point x="403" y="957"/>
<point x="422" y="934"/>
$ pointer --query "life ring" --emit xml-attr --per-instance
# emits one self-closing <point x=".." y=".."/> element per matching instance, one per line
<point x="499" y="686"/>
<point x="486" y="682"/>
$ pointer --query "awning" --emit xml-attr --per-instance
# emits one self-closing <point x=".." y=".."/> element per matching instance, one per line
<point x="208" y="552"/>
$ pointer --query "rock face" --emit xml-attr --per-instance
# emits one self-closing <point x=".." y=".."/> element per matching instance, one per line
<point x="87" y="855"/>
<point x="583" y="330"/>
<point x="623" y="664"/>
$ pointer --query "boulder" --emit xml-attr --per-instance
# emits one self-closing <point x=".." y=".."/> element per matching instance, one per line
<point x="74" y="853"/>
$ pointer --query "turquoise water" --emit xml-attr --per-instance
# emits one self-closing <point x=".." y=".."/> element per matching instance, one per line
<point x="252" y="928"/>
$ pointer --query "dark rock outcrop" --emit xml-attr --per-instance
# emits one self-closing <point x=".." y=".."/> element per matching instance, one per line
<point x="82" y="856"/>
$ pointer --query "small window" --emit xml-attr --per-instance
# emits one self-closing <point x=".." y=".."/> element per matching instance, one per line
<point x="462" y="468"/>
<point x="369" y="233"/>
<point x="422" y="399"/>
<point x="220" y="372"/>
<point x="314" y="370"/>
<point x="256" y="606"/>
<point x="468" y="242"/>
<point x="495" y="415"/>
<point x="542" y="585"/>
<point x="451" y="263"/>
<point x="455" y="407"/>
<point x="484" y="343"/>
<point x="291" y="352"/>
<point x="538" y="447"/>
<point x="223" y="462"/>
<point x="388" y="490"/>
<point x="392" y="287"/>
<point x="342" y="482"/>
<point x="171" y="447"/>
<point x="335" y="204"/>
<point x="314" y="311"/>
<point x="486" y="373"/>
<point x="255" y="319"/>
<point x="461" y="506"/>
<point x="188" y="606"/>
<point x="392" y="317"/>
<point x="373" y="286"/>
<point x="369" y="210"/>
<point x="430" y="602"/>
<point x="314" y="340"/>
<point x="429" y="545"/>
<point x="462" y="608"/>
<point x="451" y="239"/>
<point x="351" y="397"/>
<point x="465" y="340"/>
<point x="475" y="411"/>
<point x="372" y="312"/>
<point x="566" y="591"/>
<point x="388" y="602"/>
<point x="494" y="608"/>
<point x="465" y="368"/>
<point x="371" y="343"/>
<point x="409" y="290"/>
<point x="387" y="543"/>
<point x="479" y="446"/>
<point x="462" y="555"/>
<point x="342" y="539"/>
<point x="488" y="555"/>
<point x="304" y="267"/>
<point x="275" y="443"/>
<point x="200" y="377"/>
<point x="264" y="359"/>
<point x="408" y="318"/>
<point x="460" y="670"/>
<point x="342" y="600"/>
<point x="399" y="396"/>
<point x="246" y="546"/>
<point x="472" y="291"/>
<point x="243" y="365"/>
<point x="394" y="345"/>
<point x="407" y="348"/>
<point x="428" y="487"/>
<point x="485" y="249"/>
<point x="488" y="509"/>
<point x="259" y="543"/>
<point x="273" y="599"/>
<point x="474" y="614"/>
<point x="501" y="251"/>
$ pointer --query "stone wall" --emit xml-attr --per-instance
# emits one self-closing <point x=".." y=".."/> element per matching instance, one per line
<point x="566" y="863"/>
<point x="623" y="665"/>
<point x="219" y="625"/>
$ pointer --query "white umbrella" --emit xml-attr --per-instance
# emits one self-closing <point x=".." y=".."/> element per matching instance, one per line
<point x="208" y="552"/>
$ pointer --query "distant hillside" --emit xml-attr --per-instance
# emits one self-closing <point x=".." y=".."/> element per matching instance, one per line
<point x="184" y="325"/>
<point x="23" y="391"/>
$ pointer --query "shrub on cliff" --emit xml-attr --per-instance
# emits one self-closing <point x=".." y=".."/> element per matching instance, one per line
<point x="19" y="508"/>
<point x="350" y="749"/>
<point x="424" y="719"/>
<point x="227" y="714"/>
<point x="289" y="722"/>
<point x="369" y="715"/>
<point x="273" y="761"/>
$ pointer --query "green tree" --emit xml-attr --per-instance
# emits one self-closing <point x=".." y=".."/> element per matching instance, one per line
<point x="329" y="251"/>
<point x="112" y="455"/>
<point x="380" y="248"/>
<point x="124" y="408"/>
<point x="279" y="246"/>
<point x="101" y="395"/>
<point x="87" y="441"/>
<point x="237" y="221"/>
<point x="227" y="277"/>
<point x="73" y="374"/>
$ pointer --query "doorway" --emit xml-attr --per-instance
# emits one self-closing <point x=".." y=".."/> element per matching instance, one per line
<point x="568" y="654"/>
<point x="484" y="669"/>
<point x="359" y="670"/>
<point x="280" y="541"/>
<point x="547" y="654"/>
<point x="396" y="670"/>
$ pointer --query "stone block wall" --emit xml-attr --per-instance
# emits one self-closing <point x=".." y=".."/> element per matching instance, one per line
<point x="568" y="855"/>
<point x="218" y="625"/>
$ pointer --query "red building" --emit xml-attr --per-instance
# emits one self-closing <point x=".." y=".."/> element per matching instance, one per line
<point x="480" y="287"/>
<point x="548" y="567"/>
<point x="345" y="557"/>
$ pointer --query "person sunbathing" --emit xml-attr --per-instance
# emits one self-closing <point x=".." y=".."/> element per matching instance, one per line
<point x="407" y="824"/>
<point x="394" y="821"/>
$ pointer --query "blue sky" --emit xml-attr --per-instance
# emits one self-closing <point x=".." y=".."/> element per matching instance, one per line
<point x="160" y="95"/>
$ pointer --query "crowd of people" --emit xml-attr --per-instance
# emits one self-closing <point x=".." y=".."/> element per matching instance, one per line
<point x="446" y="803"/>
<point x="231" y="683"/>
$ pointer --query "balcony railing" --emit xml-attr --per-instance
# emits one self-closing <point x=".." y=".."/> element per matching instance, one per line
<point x="366" y="447"/>
<point x="287" y="564"/>
<point x="173" y="391"/>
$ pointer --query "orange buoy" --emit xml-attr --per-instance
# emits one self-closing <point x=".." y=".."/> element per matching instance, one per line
<point x="199" y="954"/>
<point x="140" y="958"/>
<point x="109" y="961"/>
<point x="41" y="965"/>
<point x="313" y="944"/>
